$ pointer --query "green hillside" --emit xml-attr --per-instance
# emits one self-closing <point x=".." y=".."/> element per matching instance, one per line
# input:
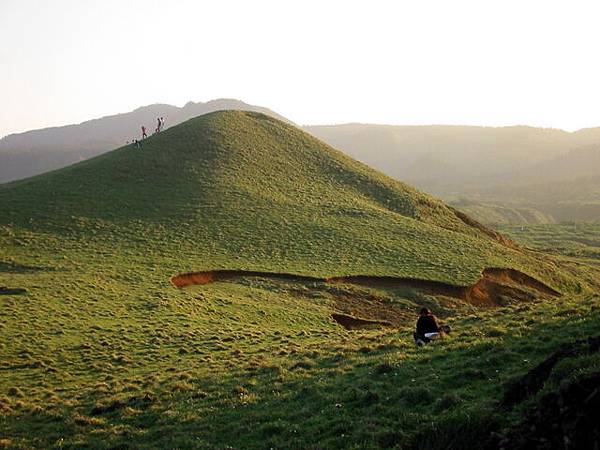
<point x="242" y="190"/>
<point x="100" y="349"/>
<point x="35" y="152"/>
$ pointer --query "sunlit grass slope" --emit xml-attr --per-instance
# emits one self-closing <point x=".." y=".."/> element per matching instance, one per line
<point x="242" y="190"/>
<point x="99" y="350"/>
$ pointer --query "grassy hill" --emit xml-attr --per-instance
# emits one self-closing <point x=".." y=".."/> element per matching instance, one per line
<point x="260" y="195"/>
<point x="99" y="350"/>
<point x="510" y="169"/>
<point x="38" y="151"/>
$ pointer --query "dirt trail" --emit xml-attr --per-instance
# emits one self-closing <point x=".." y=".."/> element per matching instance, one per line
<point x="492" y="289"/>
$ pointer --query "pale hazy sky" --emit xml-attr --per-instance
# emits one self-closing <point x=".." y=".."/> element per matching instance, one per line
<point x="398" y="62"/>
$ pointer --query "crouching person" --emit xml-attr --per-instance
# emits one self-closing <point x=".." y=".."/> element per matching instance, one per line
<point x="428" y="328"/>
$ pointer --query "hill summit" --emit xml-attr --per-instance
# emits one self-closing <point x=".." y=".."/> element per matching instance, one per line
<point x="242" y="190"/>
<point x="37" y="151"/>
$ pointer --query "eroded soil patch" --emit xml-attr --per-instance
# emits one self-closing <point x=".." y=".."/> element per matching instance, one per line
<point x="487" y="231"/>
<point x="211" y="276"/>
<point x="496" y="287"/>
<point x="374" y="308"/>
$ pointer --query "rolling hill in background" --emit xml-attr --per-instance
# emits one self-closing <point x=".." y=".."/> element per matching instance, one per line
<point x="502" y="214"/>
<point x="238" y="283"/>
<point x="226" y="176"/>
<point x="507" y="175"/>
<point x="38" y="151"/>
<point x="507" y="169"/>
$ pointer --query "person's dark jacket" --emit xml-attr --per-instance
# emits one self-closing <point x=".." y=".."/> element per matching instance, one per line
<point x="427" y="324"/>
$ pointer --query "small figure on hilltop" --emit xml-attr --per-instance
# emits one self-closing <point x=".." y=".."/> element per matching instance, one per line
<point x="428" y="328"/>
<point x="158" y="125"/>
<point x="137" y="144"/>
<point x="144" y="135"/>
<point x="162" y="123"/>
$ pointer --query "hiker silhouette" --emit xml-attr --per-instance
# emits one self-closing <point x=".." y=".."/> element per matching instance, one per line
<point x="428" y="328"/>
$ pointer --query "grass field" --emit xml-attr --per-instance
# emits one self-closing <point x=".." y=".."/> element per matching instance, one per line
<point x="99" y="350"/>
<point x="579" y="240"/>
<point x="112" y="358"/>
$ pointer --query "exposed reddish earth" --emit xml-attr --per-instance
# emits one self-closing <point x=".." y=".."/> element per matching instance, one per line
<point x="488" y="231"/>
<point x="373" y="308"/>
<point x="494" y="288"/>
<point x="487" y="291"/>
<point x="210" y="276"/>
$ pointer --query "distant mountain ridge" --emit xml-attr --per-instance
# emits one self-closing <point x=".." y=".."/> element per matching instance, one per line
<point x="515" y="174"/>
<point x="440" y="158"/>
<point x="549" y="170"/>
<point x="33" y="152"/>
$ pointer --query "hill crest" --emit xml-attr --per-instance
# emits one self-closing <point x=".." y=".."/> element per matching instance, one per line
<point x="38" y="151"/>
<point x="242" y="190"/>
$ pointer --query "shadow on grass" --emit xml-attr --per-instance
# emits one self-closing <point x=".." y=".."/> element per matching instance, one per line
<point x="446" y="396"/>
<point x="12" y="291"/>
<point x="442" y="396"/>
<point x="13" y="267"/>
